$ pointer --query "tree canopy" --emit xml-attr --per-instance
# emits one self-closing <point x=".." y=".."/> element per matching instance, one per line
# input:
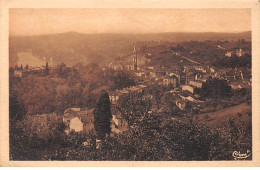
<point x="102" y="115"/>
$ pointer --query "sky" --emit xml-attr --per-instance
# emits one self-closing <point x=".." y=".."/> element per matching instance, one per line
<point x="49" y="21"/>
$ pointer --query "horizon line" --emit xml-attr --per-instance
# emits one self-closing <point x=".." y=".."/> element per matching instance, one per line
<point x="130" y="33"/>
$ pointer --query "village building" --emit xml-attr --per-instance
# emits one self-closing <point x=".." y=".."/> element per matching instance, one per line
<point x="115" y="66"/>
<point x="189" y="88"/>
<point x="132" y="62"/>
<point x="228" y="54"/>
<point x="177" y="53"/>
<point x="239" y="52"/>
<point x="181" y="104"/>
<point x="230" y="76"/>
<point x="152" y="74"/>
<point x="79" y="120"/>
<point x="82" y="121"/>
<point x="196" y="83"/>
<point x="199" y="68"/>
<point x="18" y="73"/>
<point x="168" y="80"/>
<point x="113" y="97"/>
<point x="150" y="68"/>
<point x="212" y="69"/>
<point x="135" y="90"/>
<point x="140" y="74"/>
<point x="235" y="85"/>
<point x="118" y="124"/>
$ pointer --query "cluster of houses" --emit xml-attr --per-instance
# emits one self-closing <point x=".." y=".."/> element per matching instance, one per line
<point x="114" y="96"/>
<point x="188" y="79"/>
<point x="81" y="120"/>
<point x="24" y="71"/>
<point x="181" y="81"/>
<point x="130" y="63"/>
<point x="238" y="53"/>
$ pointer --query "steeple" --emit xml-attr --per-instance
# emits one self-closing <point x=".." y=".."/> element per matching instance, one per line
<point x="134" y="59"/>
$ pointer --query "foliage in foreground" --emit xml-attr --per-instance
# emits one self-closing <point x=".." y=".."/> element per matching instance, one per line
<point x="153" y="139"/>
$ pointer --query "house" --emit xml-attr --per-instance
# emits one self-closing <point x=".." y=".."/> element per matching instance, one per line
<point x="199" y="68"/>
<point x="160" y="73"/>
<point x="140" y="74"/>
<point x="228" y="54"/>
<point x="114" y="97"/>
<point x="72" y="110"/>
<point x="189" y="88"/>
<point x="76" y="125"/>
<point x="152" y="74"/>
<point x="177" y="53"/>
<point x="124" y="92"/>
<point x="142" y="87"/>
<point x="196" y="83"/>
<point x="230" y="76"/>
<point x="212" y="70"/>
<point x="150" y="68"/>
<point x="168" y="80"/>
<point x="119" y="124"/>
<point x="82" y="123"/>
<point x="79" y="121"/>
<point x="236" y="85"/>
<point x="181" y="104"/>
<point x="18" y="73"/>
<point x="129" y="67"/>
<point x="135" y="90"/>
<point x="115" y="66"/>
<point x="239" y="52"/>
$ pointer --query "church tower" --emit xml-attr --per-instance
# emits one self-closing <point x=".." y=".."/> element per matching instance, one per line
<point x="134" y="59"/>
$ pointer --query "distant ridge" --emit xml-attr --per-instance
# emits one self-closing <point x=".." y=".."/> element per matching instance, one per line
<point x="74" y="47"/>
<point x="112" y="33"/>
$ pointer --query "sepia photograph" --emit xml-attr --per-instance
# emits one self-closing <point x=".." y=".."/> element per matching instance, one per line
<point x="130" y="84"/>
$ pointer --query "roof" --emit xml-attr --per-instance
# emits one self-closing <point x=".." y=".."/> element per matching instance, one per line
<point x="190" y="98"/>
<point x="185" y="93"/>
<point x="84" y="115"/>
<point x="142" y="86"/>
<point x="134" y="88"/>
<point x="189" y="86"/>
<point x="198" y="81"/>
<point x="86" y="118"/>
<point x="124" y="91"/>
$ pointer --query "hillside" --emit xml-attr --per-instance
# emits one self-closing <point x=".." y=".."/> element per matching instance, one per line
<point x="71" y="48"/>
<point x="220" y="118"/>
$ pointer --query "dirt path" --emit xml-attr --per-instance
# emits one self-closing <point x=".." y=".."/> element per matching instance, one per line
<point x="190" y="60"/>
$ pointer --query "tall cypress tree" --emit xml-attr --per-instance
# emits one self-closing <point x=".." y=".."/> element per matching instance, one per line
<point x="47" y="69"/>
<point x="102" y="115"/>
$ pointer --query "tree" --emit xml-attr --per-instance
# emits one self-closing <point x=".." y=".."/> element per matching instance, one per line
<point x="46" y="69"/>
<point x="102" y="116"/>
<point x="27" y="67"/>
<point x="215" y="88"/>
<point x="16" y="108"/>
<point x="133" y="108"/>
